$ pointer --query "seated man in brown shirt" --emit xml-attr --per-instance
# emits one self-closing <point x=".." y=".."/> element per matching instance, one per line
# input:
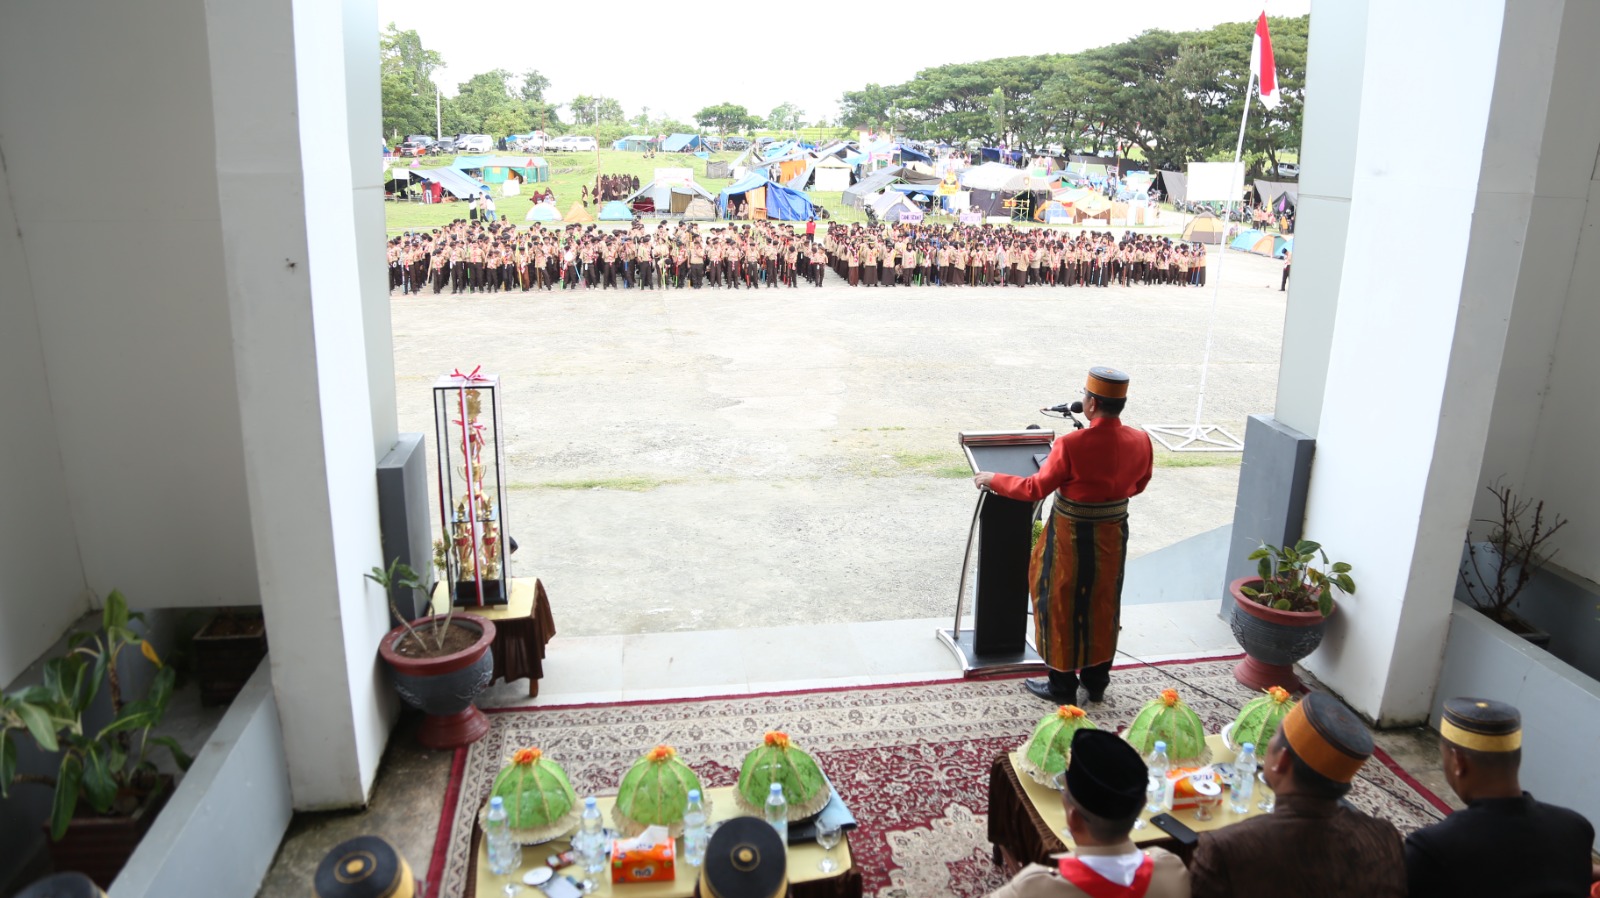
<point x="1311" y="846"/>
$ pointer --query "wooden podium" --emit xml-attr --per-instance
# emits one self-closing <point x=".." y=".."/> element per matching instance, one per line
<point x="1003" y="529"/>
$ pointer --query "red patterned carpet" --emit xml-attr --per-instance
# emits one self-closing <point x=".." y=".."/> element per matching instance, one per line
<point x="911" y="761"/>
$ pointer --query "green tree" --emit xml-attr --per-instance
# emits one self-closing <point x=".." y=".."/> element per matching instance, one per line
<point x="726" y="118"/>
<point x="405" y="77"/>
<point x="869" y="107"/>
<point x="785" y="117"/>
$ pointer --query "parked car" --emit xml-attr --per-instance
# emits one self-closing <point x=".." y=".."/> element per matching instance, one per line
<point x="474" y="143"/>
<point x="737" y="143"/>
<point x="448" y="145"/>
<point x="712" y="143"/>
<point x="588" y="144"/>
<point x="560" y="144"/>
<point x="1289" y="169"/>
<point x="412" y="148"/>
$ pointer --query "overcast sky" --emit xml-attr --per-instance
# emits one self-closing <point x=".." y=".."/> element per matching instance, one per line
<point x="679" y="58"/>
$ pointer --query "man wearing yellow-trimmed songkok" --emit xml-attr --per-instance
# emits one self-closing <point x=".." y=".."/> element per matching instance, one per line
<point x="1504" y="843"/>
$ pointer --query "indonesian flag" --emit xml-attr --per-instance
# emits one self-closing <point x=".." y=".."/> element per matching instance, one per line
<point x="1262" y="64"/>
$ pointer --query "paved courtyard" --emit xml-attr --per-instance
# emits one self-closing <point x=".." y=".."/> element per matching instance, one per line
<point x="698" y="460"/>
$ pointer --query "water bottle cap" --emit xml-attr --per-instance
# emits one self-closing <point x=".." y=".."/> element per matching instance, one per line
<point x="694" y="794"/>
<point x="1248" y="749"/>
<point x="776" y="789"/>
<point x="1161" y="746"/>
<point x="589" y="802"/>
<point x="496" y="803"/>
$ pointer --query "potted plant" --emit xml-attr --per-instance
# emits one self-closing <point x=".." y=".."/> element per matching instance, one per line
<point x="1495" y="572"/>
<point x="108" y="790"/>
<point x="227" y="651"/>
<point x="1279" y="615"/>
<point x="440" y="663"/>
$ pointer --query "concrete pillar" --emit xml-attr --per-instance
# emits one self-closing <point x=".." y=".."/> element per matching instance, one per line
<point x="296" y="243"/>
<point x="1416" y="349"/>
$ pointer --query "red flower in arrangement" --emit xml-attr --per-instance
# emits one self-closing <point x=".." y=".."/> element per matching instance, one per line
<point x="1169" y="697"/>
<point x="1070" y="712"/>
<point x="777" y="738"/>
<point x="527" y="756"/>
<point x="1279" y="694"/>
<point x="662" y="753"/>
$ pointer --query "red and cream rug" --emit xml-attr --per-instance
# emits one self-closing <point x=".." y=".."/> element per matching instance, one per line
<point x="911" y="761"/>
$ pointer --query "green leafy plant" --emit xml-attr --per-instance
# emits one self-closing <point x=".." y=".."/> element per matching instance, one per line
<point x="1290" y="582"/>
<point x="107" y="768"/>
<point x="400" y="574"/>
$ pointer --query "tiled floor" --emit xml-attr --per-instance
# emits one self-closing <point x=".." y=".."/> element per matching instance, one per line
<point x="409" y="794"/>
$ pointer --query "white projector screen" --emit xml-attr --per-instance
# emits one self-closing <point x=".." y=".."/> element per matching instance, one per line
<point x="1215" y="182"/>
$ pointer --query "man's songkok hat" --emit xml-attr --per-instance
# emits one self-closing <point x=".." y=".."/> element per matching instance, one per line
<point x="1328" y="737"/>
<point x="1478" y="724"/>
<point x="364" y="867"/>
<point x="745" y="859"/>
<point x="1106" y="776"/>
<point x="1107" y="383"/>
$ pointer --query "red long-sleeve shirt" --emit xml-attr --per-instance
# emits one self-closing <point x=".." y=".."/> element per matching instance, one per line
<point x="1104" y="462"/>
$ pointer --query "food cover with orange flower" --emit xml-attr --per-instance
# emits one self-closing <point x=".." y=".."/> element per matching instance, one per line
<point x="778" y="760"/>
<point x="1047" y="752"/>
<point x="654" y="792"/>
<point x="1258" y="720"/>
<point x="1167" y="719"/>
<point x="540" y="802"/>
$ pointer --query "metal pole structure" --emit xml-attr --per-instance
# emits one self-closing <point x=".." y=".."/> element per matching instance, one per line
<point x="1210" y="437"/>
<point x="438" y="115"/>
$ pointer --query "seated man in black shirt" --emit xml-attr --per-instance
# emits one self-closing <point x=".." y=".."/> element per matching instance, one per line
<point x="1504" y="843"/>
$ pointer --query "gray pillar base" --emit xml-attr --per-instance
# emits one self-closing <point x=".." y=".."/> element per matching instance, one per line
<point x="403" y="515"/>
<point x="1271" y="506"/>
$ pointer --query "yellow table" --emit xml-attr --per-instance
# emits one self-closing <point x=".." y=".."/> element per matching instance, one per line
<point x="1046" y="803"/>
<point x="803" y="860"/>
<point x="522" y="627"/>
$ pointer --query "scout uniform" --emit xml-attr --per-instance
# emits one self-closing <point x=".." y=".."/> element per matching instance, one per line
<point x="1536" y="849"/>
<point x="1077" y="566"/>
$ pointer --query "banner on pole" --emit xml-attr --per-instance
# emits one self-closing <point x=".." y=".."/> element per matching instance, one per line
<point x="1221" y="182"/>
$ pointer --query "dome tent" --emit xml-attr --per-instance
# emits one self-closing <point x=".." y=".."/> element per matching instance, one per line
<point x="616" y="210"/>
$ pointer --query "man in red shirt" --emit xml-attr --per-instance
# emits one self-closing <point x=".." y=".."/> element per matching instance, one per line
<point x="1078" y="561"/>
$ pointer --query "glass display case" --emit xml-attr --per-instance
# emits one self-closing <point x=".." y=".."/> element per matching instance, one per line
<point x="473" y="554"/>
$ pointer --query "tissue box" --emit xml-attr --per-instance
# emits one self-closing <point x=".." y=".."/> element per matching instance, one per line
<point x="642" y="863"/>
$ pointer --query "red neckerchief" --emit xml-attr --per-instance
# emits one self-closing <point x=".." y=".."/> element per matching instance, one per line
<point x="1096" y="886"/>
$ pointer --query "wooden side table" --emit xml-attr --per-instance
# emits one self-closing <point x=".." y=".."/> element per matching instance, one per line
<point x="522" y="628"/>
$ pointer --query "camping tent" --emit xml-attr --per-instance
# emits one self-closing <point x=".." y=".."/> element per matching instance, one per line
<point x="907" y="154"/>
<point x="1254" y="241"/>
<point x="1094" y="207"/>
<point x="1054" y="212"/>
<point x="830" y="174"/>
<point x="767" y="199"/>
<point x="699" y="209"/>
<point x="681" y="143"/>
<point x="856" y="195"/>
<point x="891" y="205"/>
<point x="578" y="213"/>
<point x="635" y="143"/>
<point x="1205" y="228"/>
<point x="718" y="170"/>
<point x="1285" y="244"/>
<point x="616" y="210"/>
<point x="495" y="169"/>
<point x="543" y="212"/>
<point x="994" y="176"/>
<point x="667" y="194"/>
<point x="1175" y="185"/>
<point x="458" y="183"/>
<point x="1282" y="196"/>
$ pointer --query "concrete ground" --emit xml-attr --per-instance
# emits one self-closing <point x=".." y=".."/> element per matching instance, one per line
<point x="804" y="440"/>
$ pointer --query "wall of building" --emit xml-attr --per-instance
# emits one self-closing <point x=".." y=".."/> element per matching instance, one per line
<point x="123" y="263"/>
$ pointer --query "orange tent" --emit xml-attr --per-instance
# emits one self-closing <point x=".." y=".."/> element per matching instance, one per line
<point x="578" y="213"/>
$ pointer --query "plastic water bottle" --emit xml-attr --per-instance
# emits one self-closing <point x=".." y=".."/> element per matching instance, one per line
<point x="1155" y="791"/>
<point x="694" y="830"/>
<point x="1244" y="780"/>
<point x="505" y="855"/>
<point x="592" y="834"/>
<point x="778" y="812"/>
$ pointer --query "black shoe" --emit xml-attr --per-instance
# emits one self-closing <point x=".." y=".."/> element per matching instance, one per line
<point x="1096" y="698"/>
<point x="1041" y="688"/>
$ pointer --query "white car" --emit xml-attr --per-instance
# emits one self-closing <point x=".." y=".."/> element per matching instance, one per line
<point x="474" y="143"/>
<point x="1289" y="169"/>
<point x="584" y="144"/>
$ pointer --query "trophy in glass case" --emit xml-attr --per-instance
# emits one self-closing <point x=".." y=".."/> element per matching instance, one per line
<point x="472" y="491"/>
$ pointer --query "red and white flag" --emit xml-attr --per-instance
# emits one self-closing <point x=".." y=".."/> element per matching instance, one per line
<point x="1263" y="66"/>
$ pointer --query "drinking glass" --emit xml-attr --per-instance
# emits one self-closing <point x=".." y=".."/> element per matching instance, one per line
<point x="1268" y="800"/>
<point x="1202" y="808"/>
<point x="828" y="835"/>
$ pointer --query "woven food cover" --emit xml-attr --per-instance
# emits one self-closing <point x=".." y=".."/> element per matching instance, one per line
<point x="654" y="792"/>
<point x="777" y="760"/>
<point x="1046" y="753"/>
<point x="1167" y="719"/>
<point x="540" y="802"/>
<point x="1258" y="720"/>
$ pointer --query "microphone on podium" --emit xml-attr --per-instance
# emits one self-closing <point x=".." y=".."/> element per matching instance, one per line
<point x="1064" y="408"/>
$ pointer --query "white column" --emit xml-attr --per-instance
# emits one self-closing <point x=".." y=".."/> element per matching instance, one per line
<point x="294" y="254"/>
<point x="1417" y="346"/>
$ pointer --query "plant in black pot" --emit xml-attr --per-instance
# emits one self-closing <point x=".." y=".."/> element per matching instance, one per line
<point x="108" y="789"/>
<point x="440" y="663"/>
<point x="1279" y="616"/>
<point x="1496" y="571"/>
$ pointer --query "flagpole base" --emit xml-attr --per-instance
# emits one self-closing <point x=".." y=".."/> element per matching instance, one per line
<point x="1194" y="437"/>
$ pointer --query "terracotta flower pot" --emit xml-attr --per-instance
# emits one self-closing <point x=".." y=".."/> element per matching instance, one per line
<point x="1272" y="640"/>
<point x="444" y="687"/>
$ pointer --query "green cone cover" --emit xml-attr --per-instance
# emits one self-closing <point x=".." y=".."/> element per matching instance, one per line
<point x="540" y="801"/>
<point x="1046" y="754"/>
<point x="804" y="786"/>
<point x="1167" y="719"/>
<point x="1259" y="719"/>
<point x="654" y="792"/>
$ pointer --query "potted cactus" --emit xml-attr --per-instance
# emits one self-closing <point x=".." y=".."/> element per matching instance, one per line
<point x="1049" y="750"/>
<point x="1167" y="719"/>
<point x="1258" y="720"/>
<point x="540" y="802"/>
<point x="1279" y="615"/>
<point x="777" y="760"/>
<point x="654" y="792"/>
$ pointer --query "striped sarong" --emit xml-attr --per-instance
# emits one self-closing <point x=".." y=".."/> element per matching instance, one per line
<point x="1076" y="574"/>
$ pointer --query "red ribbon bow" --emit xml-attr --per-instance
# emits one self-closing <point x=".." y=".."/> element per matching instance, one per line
<point x="472" y="375"/>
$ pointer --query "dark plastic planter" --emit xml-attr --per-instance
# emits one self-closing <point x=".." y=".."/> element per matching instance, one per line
<point x="99" y="847"/>
<point x="1273" y="640"/>
<point x="444" y="687"/>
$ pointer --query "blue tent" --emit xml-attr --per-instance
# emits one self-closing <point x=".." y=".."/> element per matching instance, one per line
<point x="907" y="154"/>
<point x="454" y="181"/>
<point x="678" y="143"/>
<point x="782" y="203"/>
<point x="637" y="143"/>
<point x="616" y="210"/>
<point x="1285" y="244"/>
<point x="543" y="212"/>
<point x="1246" y="240"/>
